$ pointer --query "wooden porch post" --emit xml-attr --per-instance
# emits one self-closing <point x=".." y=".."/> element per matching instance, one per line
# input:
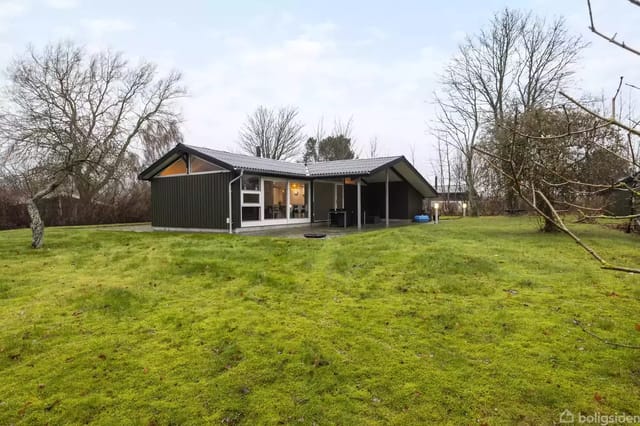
<point x="359" y="209"/>
<point x="386" y="199"/>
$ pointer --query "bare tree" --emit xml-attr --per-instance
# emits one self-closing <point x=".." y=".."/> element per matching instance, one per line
<point x="458" y="120"/>
<point x="547" y="54"/>
<point x="272" y="134"/>
<point x="158" y="137"/>
<point x="312" y="145"/>
<point x="343" y="128"/>
<point x="73" y="118"/>
<point x="373" y="147"/>
<point x="445" y="168"/>
<point x="518" y="58"/>
<point x="560" y="169"/>
<point x="412" y="154"/>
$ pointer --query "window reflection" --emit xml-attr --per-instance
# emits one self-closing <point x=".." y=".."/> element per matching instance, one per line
<point x="275" y="200"/>
<point x="178" y="167"/>
<point x="298" y="200"/>
<point x="250" y="213"/>
<point x="250" y="183"/>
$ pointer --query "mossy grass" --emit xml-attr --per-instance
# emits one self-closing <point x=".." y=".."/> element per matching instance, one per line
<point x="466" y="322"/>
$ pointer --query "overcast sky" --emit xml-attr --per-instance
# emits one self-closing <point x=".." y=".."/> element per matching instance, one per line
<point x="375" y="61"/>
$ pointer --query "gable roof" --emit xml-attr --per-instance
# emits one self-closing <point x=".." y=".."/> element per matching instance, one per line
<point x="248" y="163"/>
<point x="267" y="166"/>
<point x="252" y="164"/>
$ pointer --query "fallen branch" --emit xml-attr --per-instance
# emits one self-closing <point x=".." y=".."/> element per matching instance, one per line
<point x="603" y="340"/>
<point x="604" y="216"/>
<point x="555" y="218"/>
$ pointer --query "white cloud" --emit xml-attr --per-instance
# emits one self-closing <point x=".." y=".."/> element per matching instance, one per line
<point x="377" y="74"/>
<point x="323" y="74"/>
<point x="13" y="8"/>
<point x="63" y="32"/>
<point x="9" y="11"/>
<point x="103" y="26"/>
<point x="63" y="4"/>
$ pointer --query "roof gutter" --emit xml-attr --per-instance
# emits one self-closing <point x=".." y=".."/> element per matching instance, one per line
<point x="231" y="200"/>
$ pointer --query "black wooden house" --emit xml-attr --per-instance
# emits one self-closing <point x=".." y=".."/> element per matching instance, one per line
<point x="205" y="189"/>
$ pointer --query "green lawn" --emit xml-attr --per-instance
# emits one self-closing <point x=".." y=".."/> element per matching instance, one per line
<point x="468" y="322"/>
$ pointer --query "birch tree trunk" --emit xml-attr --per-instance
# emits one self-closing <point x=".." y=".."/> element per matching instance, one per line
<point x="472" y="194"/>
<point x="37" y="226"/>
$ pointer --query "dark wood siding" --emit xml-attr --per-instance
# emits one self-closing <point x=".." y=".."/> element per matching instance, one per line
<point x="351" y="197"/>
<point x="404" y="201"/>
<point x="323" y="200"/>
<point x="235" y="197"/>
<point x="193" y="201"/>
<point x="415" y="202"/>
<point x="351" y="201"/>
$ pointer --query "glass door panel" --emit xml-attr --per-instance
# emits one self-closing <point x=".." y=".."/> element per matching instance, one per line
<point x="298" y="195"/>
<point x="275" y="200"/>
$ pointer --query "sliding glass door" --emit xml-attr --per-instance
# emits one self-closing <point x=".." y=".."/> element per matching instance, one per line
<point x="298" y="200"/>
<point x="275" y="199"/>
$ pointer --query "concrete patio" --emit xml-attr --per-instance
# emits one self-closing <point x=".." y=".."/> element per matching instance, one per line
<point x="321" y="228"/>
<point x="281" y="232"/>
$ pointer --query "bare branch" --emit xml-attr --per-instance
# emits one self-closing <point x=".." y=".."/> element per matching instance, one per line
<point x="600" y="117"/>
<point x="603" y="216"/>
<point x="272" y="134"/>
<point x="74" y="117"/>
<point x="610" y="39"/>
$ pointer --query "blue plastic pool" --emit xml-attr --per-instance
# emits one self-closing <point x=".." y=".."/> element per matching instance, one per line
<point x="421" y="218"/>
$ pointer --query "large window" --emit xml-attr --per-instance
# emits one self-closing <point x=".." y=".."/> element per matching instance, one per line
<point x="275" y="199"/>
<point x="178" y="167"/>
<point x="298" y="195"/>
<point x="250" y="183"/>
<point x="188" y="164"/>
<point x="250" y="198"/>
<point x="198" y="165"/>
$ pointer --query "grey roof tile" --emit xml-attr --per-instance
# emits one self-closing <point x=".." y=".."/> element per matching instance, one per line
<point x="362" y="166"/>
<point x="248" y="163"/>
<point x="266" y="166"/>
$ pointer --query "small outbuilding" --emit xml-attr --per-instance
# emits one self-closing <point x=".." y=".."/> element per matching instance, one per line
<point x="204" y="189"/>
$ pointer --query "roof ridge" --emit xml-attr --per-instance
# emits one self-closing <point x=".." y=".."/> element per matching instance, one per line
<point x="358" y="159"/>
<point x="288" y="161"/>
<point x="240" y="154"/>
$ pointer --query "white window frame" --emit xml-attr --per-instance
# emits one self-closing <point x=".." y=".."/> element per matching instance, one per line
<point x="258" y="204"/>
<point x="285" y="221"/>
